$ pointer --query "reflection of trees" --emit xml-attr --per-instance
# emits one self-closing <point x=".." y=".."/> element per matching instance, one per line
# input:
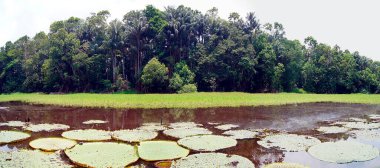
<point x="167" y="115"/>
<point x="182" y="114"/>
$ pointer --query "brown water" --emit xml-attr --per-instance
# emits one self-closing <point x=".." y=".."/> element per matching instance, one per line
<point x="300" y="119"/>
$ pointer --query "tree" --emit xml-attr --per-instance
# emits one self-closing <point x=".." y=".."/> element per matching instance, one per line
<point x="155" y="76"/>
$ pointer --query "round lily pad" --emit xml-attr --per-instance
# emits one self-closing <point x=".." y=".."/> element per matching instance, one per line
<point x="374" y="116"/>
<point x="373" y="135"/>
<point x="241" y="134"/>
<point x="46" y="127"/>
<point x="225" y="127"/>
<point x="95" y="122"/>
<point x="333" y="129"/>
<point x="285" y="165"/>
<point x="343" y="152"/>
<point x="161" y="150"/>
<point x="87" y="135"/>
<point x="153" y="127"/>
<point x="102" y="154"/>
<point x="207" y="142"/>
<point x="52" y="144"/>
<point x="358" y="125"/>
<point x="12" y="136"/>
<point x="211" y="160"/>
<point x="288" y="142"/>
<point x="31" y="158"/>
<point x="213" y="123"/>
<point x="134" y="135"/>
<point x="184" y="125"/>
<point x="13" y="124"/>
<point x="355" y="119"/>
<point x="185" y="132"/>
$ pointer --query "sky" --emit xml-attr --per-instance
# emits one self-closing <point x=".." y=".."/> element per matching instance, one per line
<point x="351" y="24"/>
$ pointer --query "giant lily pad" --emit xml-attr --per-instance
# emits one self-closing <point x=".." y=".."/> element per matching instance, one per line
<point x="134" y="135"/>
<point x="184" y="125"/>
<point x="374" y="116"/>
<point x="12" y="136"/>
<point x="52" y="144"/>
<point x="207" y="142"/>
<point x="153" y="127"/>
<point x="358" y="125"/>
<point x="13" y="124"/>
<point x="46" y="127"/>
<point x="333" y="129"/>
<point x="161" y="150"/>
<point x="343" y="152"/>
<point x="31" y="158"/>
<point x="185" y="132"/>
<point x="373" y="135"/>
<point x="102" y="154"/>
<point x="213" y="160"/>
<point x="95" y="122"/>
<point x="288" y="142"/>
<point x="285" y="165"/>
<point x="241" y="134"/>
<point x="225" y="127"/>
<point x="87" y="135"/>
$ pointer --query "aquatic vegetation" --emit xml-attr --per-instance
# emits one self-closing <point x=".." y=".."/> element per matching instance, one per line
<point x="285" y="165"/>
<point x="241" y="134"/>
<point x="355" y="119"/>
<point x="12" y="136"/>
<point x="31" y="158"/>
<point x="87" y="135"/>
<point x="367" y="134"/>
<point x="213" y="123"/>
<point x="133" y="135"/>
<point x="207" y="142"/>
<point x="13" y="124"/>
<point x="102" y="154"/>
<point x="288" y="142"/>
<point x="46" y="127"/>
<point x="211" y="160"/>
<point x="333" y="129"/>
<point x="52" y="144"/>
<point x="153" y="127"/>
<point x="185" y="132"/>
<point x="184" y="125"/>
<point x="374" y="116"/>
<point x="226" y="127"/>
<point x="343" y="152"/>
<point x="95" y="122"/>
<point x="161" y="150"/>
<point x="358" y="125"/>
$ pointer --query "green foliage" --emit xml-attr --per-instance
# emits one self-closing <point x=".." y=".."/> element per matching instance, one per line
<point x="155" y="76"/>
<point x="188" y="88"/>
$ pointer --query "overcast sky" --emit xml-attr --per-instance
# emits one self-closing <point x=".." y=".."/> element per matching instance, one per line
<point x="352" y="24"/>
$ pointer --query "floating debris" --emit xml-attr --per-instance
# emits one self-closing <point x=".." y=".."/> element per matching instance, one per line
<point x="184" y="125"/>
<point x="161" y="150"/>
<point x="13" y="124"/>
<point x="52" y="144"/>
<point x="134" y="135"/>
<point x="153" y="127"/>
<point x="207" y="142"/>
<point x="226" y="127"/>
<point x="288" y="142"/>
<point x="343" y="152"/>
<point x="285" y="165"/>
<point x="333" y="129"/>
<point x="185" y="132"/>
<point x="367" y="134"/>
<point x="12" y="136"/>
<point x="31" y="158"/>
<point x="45" y="127"/>
<point x="95" y="122"/>
<point x="211" y="160"/>
<point x="87" y="135"/>
<point x="102" y="154"/>
<point x="241" y="134"/>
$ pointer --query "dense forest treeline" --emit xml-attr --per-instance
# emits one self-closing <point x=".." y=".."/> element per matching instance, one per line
<point x="179" y="50"/>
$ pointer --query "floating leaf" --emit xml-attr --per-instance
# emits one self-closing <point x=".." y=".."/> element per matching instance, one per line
<point x="87" y="135"/>
<point x="333" y="129"/>
<point x="102" y="154"/>
<point x="153" y="127"/>
<point x="95" y="122"/>
<point x="161" y="150"/>
<point x="360" y="125"/>
<point x="288" y="142"/>
<point x="13" y="124"/>
<point x="213" y="123"/>
<point x="374" y="116"/>
<point x="185" y="132"/>
<point x="241" y="134"/>
<point x="227" y="127"/>
<point x="355" y="119"/>
<point x="285" y="165"/>
<point x="343" y="152"/>
<point x="31" y="158"/>
<point x="12" y="136"/>
<point x="46" y="127"/>
<point x="184" y="125"/>
<point x="213" y="160"/>
<point x="373" y="135"/>
<point x="207" y="142"/>
<point x="52" y="144"/>
<point x="134" y="135"/>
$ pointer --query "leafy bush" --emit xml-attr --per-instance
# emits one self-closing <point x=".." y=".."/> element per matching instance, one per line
<point x="189" y="88"/>
<point x="155" y="76"/>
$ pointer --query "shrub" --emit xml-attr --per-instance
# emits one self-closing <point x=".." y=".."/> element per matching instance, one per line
<point x="155" y="76"/>
<point x="189" y="88"/>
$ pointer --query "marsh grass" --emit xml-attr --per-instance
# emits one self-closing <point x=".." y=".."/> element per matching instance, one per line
<point x="190" y="100"/>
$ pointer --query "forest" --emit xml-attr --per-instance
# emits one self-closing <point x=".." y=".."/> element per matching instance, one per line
<point x="179" y="50"/>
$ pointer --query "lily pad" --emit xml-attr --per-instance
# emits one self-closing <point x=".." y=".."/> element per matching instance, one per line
<point x="185" y="132"/>
<point x="373" y="135"/>
<point x="95" y="122"/>
<point x="12" y="136"/>
<point x="241" y="134"/>
<point x="184" y="125"/>
<point x="374" y="116"/>
<point x="52" y="144"/>
<point x="288" y="142"/>
<point x="153" y="127"/>
<point x="161" y="150"/>
<point x="213" y="123"/>
<point x="207" y="142"/>
<point x="343" y="152"/>
<point x="31" y="158"/>
<point x="355" y="119"/>
<point x="225" y="127"/>
<point x="46" y="127"/>
<point x="212" y="160"/>
<point x="285" y="165"/>
<point x="13" y="124"/>
<point x="87" y="135"/>
<point x="333" y="129"/>
<point x="102" y="154"/>
<point x="361" y="125"/>
<point x="134" y="135"/>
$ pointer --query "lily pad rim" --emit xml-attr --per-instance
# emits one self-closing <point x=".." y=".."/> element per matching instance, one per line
<point x="55" y="137"/>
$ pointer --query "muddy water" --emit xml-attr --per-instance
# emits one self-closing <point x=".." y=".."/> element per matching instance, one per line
<point x="300" y="119"/>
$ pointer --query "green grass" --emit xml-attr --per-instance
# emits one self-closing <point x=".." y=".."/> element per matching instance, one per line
<point x="191" y="100"/>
